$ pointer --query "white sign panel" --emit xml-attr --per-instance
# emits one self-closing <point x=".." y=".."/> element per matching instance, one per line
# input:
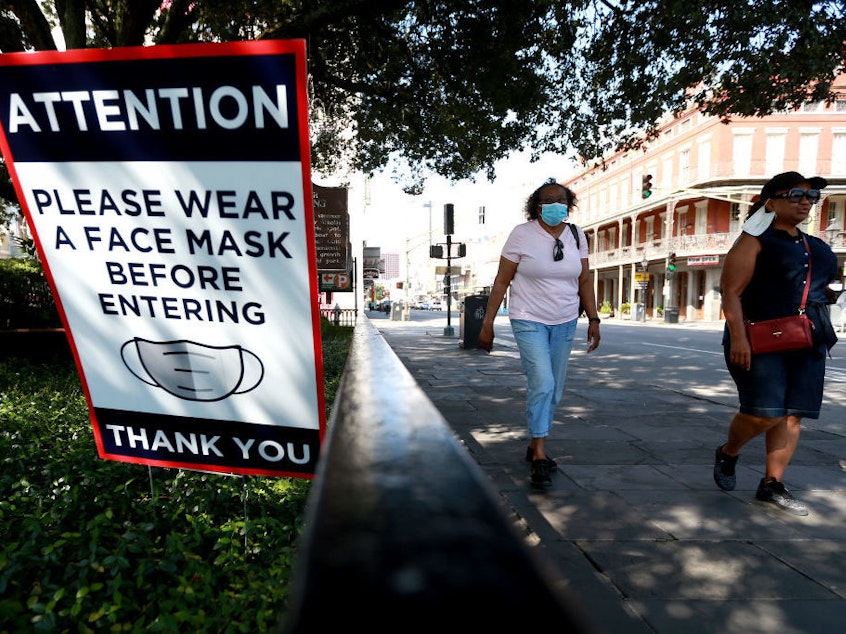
<point x="703" y="260"/>
<point x="169" y="192"/>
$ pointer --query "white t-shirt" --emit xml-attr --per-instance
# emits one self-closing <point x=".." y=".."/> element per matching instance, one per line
<point x="544" y="290"/>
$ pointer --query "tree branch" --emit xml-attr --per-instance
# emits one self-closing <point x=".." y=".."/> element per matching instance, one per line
<point x="33" y="22"/>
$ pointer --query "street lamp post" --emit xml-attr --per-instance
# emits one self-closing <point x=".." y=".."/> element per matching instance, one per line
<point x="644" y="285"/>
<point x="449" y="331"/>
<point x="436" y="251"/>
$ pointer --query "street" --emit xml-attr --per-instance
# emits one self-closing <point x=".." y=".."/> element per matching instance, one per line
<point x="683" y="358"/>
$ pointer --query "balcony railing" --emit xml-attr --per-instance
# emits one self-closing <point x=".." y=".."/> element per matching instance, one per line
<point x="700" y="244"/>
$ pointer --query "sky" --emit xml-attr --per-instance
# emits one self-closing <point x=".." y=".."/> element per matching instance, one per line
<point x="388" y="218"/>
<point x="382" y="215"/>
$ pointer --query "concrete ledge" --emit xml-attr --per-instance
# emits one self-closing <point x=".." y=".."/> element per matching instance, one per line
<point x="403" y="530"/>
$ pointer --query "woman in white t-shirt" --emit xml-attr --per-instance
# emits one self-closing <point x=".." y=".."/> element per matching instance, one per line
<point x="547" y="270"/>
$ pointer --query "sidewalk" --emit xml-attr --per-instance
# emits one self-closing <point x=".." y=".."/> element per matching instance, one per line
<point x="634" y="523"/>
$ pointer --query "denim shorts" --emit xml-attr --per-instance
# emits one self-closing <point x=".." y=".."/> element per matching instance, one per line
<point x="780" y="383"/>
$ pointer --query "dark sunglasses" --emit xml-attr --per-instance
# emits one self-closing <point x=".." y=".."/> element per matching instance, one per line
<point x="796" y="195"/>
<point x="558" y="250"/>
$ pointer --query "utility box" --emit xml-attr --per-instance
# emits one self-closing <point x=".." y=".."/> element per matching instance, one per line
<point x="639" y="312"/>
<point x="471" y="318"/>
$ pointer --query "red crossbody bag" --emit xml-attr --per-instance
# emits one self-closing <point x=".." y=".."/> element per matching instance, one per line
<point x="794" y="332"/>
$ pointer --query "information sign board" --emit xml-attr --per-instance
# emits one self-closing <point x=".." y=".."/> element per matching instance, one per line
<point x="168" y="190"/>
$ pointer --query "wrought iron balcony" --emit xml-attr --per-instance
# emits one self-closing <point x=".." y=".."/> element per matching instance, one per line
<point x="683" y="246"/>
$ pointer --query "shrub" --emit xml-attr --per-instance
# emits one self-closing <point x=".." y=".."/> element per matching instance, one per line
<point x="95" y="545"/>
<point x="25" y="297"/>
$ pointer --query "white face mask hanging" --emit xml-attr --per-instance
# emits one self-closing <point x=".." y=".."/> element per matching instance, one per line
<point x="758" y="222"/>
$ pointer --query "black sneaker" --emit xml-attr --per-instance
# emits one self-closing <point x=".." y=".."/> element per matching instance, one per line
<point x="530" y="457"/>
<point x="775" y="493"/>
<point x="724" y="470"/>
<point x="540" y="474"/>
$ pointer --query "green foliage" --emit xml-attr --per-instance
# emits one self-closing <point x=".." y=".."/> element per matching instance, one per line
<point x="91" y="545"/>
<point x="644" y="59"/>
<point x="25" y="297"/>
<point x="606" y="307"/>
<point x="453" y="87"/>
<point x="625" y="308"/>
<point x="336" y="345"/>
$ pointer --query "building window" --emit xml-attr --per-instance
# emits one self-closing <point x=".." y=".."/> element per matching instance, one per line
<point x="775" y="151"/>
<point x="833" y="216"/>
<point x="735" y="212"/>
<point x="684" y="167"/>
<point x="667" y="181"/>
<point x="838" y="153"/>
<point x="481" y="214"/>
<point x="808" y="143"/>
<point x="735" y="217"/>
<point x="703" y="160"/>
<point x="742" y="152"/>
<point x="701" y="210"/>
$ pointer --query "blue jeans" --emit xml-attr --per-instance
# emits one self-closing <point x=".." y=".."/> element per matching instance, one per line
<point x="544" y="353"/>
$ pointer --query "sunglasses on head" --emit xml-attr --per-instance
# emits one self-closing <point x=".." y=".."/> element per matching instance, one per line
<point x="558" y="250"/>
<point x="796" y="195"/>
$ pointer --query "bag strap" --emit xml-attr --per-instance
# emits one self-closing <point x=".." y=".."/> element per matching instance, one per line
<point x="575" y="234"/>
<point x="808" y="278"/>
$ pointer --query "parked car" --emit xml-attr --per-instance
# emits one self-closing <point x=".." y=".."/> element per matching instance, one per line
<point x="435" y="305"/>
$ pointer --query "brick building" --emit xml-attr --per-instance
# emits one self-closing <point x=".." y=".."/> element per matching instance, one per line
<point x="704" y="176"/>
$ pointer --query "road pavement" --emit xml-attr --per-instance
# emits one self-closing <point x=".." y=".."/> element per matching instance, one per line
<point x="633" y="524"/>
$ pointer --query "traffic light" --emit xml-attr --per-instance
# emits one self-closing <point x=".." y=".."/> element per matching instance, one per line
<point x="671" y="265"/>
<point x="436" y="251"/>
<point x="449" y="219"/>
<point x="646" y="186"/>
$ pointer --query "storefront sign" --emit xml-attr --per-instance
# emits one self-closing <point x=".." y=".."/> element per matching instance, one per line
<point x="703" y="260"/>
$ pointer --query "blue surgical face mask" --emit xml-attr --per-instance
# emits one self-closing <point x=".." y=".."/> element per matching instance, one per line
<point x="554" y="214"/>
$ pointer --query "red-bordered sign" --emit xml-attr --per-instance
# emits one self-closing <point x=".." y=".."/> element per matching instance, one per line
<point x="168" y="189"/>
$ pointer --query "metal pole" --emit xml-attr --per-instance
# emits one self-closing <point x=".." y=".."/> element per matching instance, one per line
<point x="449" y="331"/>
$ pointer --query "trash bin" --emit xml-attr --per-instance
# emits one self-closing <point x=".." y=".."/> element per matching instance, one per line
<point x="470" y="321"/>
<point x="639" y="312"/>
<point x="671" y="315"/>
<point x="396" y="311"/>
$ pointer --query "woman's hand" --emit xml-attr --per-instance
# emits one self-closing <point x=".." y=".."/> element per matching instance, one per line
<point x="741" y="351"/>
<point x="486" y="336"/>
<point x="593" y="336"/>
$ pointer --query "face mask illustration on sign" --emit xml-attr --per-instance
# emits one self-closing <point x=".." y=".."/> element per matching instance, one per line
<point x="193" y="371"/>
